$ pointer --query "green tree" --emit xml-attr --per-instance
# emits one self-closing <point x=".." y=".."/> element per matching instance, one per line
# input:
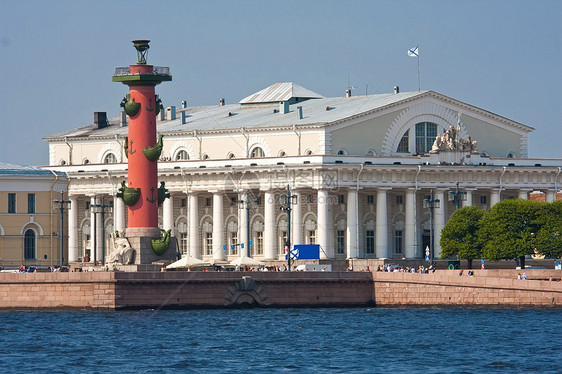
<point x="548" y="239"/>
<point x="507" y="230"/>
<point x="459" y="236"/>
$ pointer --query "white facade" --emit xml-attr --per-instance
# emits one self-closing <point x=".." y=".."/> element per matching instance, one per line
<point x="360" y="166"/>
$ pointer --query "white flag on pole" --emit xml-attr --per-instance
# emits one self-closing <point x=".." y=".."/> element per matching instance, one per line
<point x="413" y="52"/>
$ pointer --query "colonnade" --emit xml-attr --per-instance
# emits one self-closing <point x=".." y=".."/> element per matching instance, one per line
<point x="354" y="241"/>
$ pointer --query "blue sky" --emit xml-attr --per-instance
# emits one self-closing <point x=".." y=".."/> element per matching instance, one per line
<point x="57" y="57"/>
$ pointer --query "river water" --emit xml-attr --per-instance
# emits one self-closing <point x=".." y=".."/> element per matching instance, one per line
<point x="354" y="340"/>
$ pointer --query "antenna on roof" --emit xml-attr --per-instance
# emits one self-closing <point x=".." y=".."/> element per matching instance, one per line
<point x="349" y="87"/>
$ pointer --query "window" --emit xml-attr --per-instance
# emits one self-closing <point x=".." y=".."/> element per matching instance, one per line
<point x="30" y="203"/>
<point x="370" y="241"/>
<point x="11" y="203"/>
<point x="404" y="142"/>
<point x="205" y="156"/>
<point x="183" y="203"/>
<point x="87" y="206"/>
<point x="257" y="153"/>
<point x="182" y="156"/>
<point x="208" y="243"/>
<point x="233" y="243"/>
<point x="340" y="242"/>
<point x="29" y="245"/>
<point x="426" y="133"/>
<point x="283" y="242"/>
<point x="483" y="200"/>
<point x="398" y="241"/>
<point x="110" y="159"/>
<point x="312" y="237"/>
<point x="370" y="199"/>
<point x="399" y="200"/>
<point x="183" y="243"/>
<point x="342" y="152"/>
<point x="230" y="155"/>
<point x="208" y="201"/>
<point x="259" y="242"/>
<point x="341" y="199"/>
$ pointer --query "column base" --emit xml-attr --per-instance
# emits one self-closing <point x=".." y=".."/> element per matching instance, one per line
<point x="140" y="239"/>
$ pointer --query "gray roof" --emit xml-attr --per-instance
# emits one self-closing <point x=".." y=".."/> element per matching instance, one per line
<point x="237" y="116"/>
<point x="13" y="169"/>
<point x="233" y="117"/>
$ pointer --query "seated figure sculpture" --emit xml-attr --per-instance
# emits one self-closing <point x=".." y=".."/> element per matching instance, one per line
<point x="122" y="251"/>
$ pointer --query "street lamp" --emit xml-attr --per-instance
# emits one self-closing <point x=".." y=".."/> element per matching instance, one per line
<point x="287" y="200"/>
<point x="101" y="208"/>
<point x="431" y="203"/>
<point x="62" y="205"/>
<point x="245" y="204"/>
<point x="457" y="196"/>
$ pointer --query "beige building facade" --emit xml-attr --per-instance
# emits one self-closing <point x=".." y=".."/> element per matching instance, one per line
<point x="30" y="229"/>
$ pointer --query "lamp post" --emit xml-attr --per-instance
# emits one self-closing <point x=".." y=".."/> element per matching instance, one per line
<point x="457" y="196"/>
<point x="101" y="208"/>
<point x="61" y="204"/>
<point x="245" y="204"/>
<point x="431" y="203"/>
<point x="288" y="200"/>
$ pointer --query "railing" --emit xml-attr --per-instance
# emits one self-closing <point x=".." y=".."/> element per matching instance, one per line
<point x="126" y="70"/>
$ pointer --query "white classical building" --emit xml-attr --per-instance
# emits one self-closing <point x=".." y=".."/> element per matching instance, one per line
<point x="360" y="167"/>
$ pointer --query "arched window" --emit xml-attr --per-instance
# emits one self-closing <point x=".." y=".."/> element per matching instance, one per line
<point x="205" y="156"/>
<point x="511" y="155"/>
<point x="282" y="154"/>
<point x="257" y="153"/>
<point x="110" y="159"/>
<point x="371" y="153"/>
<point x="404" y="143"/>
<point x="29" y="244"/>
<point x="426" y="132"/>
<point x="342" y="152"/>
<point x="182" y="156"/>
<point x="85" y="161"/>
<point x="231" y="155"/>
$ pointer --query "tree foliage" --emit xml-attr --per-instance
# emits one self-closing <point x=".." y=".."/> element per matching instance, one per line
<point x="509" y="228"/>
<point x="459" y="236"/>
<point x="548" y="240"/>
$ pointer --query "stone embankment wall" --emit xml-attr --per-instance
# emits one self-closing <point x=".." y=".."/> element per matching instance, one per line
<point x="486" y="288"/>
<point x="120" y="290"/>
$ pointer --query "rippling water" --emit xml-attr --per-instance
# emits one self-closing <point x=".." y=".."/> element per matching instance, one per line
<point x="284" y="340"/>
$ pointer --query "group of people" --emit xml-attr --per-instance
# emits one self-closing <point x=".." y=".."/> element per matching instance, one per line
<point x="398" y="269"/>
<point x="521" y="276"/>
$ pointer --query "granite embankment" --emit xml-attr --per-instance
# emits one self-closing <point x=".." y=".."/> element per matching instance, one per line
<point x="124" y="290"/>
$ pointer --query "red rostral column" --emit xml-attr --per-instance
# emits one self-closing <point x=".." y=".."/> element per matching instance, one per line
<point x="142" y="106"/>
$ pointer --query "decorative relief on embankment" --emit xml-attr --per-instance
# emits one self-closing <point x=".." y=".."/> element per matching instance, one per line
<point x="245" y="291"/>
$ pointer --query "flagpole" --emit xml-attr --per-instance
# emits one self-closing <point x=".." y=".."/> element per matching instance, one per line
<point x="419" y="79"/>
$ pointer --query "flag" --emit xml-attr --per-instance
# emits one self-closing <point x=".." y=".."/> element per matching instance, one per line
<point x="413" y="52"/>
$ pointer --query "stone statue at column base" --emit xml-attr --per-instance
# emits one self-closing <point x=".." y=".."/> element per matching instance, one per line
<point x="122" y="252"/>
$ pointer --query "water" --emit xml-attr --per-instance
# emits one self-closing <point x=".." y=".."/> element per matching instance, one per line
<point x="358" y="340"/>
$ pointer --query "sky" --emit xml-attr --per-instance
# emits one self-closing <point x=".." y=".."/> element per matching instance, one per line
<point x="57" y="57"/>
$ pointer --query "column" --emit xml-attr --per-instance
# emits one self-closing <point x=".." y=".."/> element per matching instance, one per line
<point x="549" y="196"/>
<point x="99" y="236"/>
<point x="93" y="229"/>
<point x="439" y="222"/>
<point x="352" y="234"/>
<point x="523" y="194"/>
<point x="119" y="211"/>
<point x="73" y="230"/>
<point x="243" y="226"/>
<point x="194" y="243"/>
<point x="323" y="225"/>
<point x="494" y="197"/>
<point x="269" y="233"/>
<point x="218" y="227"/>
<point x="410" y="224"/>
<point x="168" y="214"/>
<point x="381" y="234"/>
<point x="296" y="220"/>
